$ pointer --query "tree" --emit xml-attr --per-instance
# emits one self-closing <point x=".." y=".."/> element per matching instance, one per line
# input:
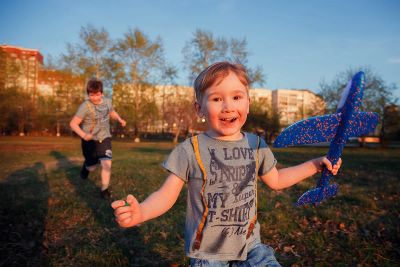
<point x="179" y="111"/>
<point x="15" y="111"/>
<point x="392" y="122"/>
<point x="169" y="75"/>
<point x="377" y="94"/>
<point x="204" y="49"/>
<point x="263" y="119"/>
<point x="90" y="57"/>
<point x="141" y="64"/>
<point x="315" y="107"/>
<point x="47" y="115"/>
<point x="62" y="102"/>
<point x="16" y="105"/>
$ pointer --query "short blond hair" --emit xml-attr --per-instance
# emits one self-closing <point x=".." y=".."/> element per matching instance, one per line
<point x="215" y="73"/>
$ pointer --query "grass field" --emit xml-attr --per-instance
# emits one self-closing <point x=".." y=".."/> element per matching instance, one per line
<point x="50" y="217"/>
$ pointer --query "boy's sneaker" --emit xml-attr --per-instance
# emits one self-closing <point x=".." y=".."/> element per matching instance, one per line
<point x="84" y="172"/>
<point x="106" y="194"/>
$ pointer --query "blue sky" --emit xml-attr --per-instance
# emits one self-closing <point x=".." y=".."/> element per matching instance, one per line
<point x="297" y="43"/>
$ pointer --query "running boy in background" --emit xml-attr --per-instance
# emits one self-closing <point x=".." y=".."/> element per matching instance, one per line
<point x="220" y="168"/>
<point x="94" y="117"/>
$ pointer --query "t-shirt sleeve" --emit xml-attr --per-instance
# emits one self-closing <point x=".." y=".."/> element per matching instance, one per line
<point x="82" y="110"/>
<point x="267" y="159"/>
<point x="178" y="161"/>
<point x="109" y="104"/>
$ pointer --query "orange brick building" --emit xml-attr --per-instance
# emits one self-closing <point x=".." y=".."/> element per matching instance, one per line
<point x="22" y="66"/>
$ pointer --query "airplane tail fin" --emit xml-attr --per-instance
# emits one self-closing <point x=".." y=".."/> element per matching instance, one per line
<point x="316" y="195"/>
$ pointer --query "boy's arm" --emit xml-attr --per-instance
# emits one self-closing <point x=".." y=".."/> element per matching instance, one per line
<point x="74" y="124"/>
<point x="286" y="177"/>
<point x="114" y="115"/>
<point x="155" y="205"/>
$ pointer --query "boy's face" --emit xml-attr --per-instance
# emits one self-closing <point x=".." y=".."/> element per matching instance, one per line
<point x="96" y="98"/>
<point x="225" y="106"/>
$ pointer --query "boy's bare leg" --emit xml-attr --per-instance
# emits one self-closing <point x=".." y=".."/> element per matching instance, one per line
<point x="91" y="168"/>
<point x="105" y="174"/>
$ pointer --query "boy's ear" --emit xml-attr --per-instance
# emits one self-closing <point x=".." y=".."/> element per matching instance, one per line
<point x="248" y="107"/>
<point x="197" y="107"/>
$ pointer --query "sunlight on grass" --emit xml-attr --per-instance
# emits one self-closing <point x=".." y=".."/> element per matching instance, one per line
<point x="49" y="216"/>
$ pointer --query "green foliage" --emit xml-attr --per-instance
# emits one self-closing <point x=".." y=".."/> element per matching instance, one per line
<point x="50" y="217"/>
<point x="262" y="119"/>
<point x="204" y="49"/>
<point x="141" y="63"/>
<point x="377" y="94"/>
<point x="142" y="58"/>
<point x="89" y="57"/>
<point x="16" y="111"/>
<point x="130" y="66"/>
<point x="179" y="111"/>
<point x="392" y="122"/>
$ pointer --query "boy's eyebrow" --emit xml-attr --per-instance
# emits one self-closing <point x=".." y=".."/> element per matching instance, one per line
<point x="212" y="93"/>
<point x="233" y="90"/>
<point x="240" y="90"/>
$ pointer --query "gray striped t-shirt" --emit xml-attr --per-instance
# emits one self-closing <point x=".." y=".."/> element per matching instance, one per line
<point x="230" y="193"/>
<point x="96" y="118"/>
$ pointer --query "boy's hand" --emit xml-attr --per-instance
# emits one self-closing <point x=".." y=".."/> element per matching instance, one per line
<point x="127" y="215"/>
<point x="122" y="122"/>
<point x="87" y="137"/>
<point x="323" y="161"/>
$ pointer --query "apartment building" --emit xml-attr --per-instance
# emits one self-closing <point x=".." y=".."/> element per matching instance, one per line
<point x="261" y="94"/>
<point x="294" y="105"/>
<point x="21" y="67"/>
<point x="290" y="104"/>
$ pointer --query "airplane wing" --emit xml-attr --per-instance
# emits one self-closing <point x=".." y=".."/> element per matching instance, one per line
<point x="362" y="123"/>
<point x="309" y="131"/>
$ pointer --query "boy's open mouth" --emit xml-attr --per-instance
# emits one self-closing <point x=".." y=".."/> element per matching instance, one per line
<point x="228" y="119"/>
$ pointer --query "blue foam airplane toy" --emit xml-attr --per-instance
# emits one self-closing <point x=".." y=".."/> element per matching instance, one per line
<point x="336" y="128"/>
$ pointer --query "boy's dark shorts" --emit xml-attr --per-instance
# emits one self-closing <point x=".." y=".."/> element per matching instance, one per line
<point x="94" y="151"/>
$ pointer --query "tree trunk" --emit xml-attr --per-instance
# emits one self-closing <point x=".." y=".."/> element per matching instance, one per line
<point x="177" y="132"/>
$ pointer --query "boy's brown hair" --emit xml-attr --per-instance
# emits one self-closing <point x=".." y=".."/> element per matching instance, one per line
<point x="94" y="86"/>
<point x="215" y="73"/>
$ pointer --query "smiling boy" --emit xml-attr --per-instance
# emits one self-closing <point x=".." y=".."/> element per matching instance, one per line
<point x="220" y="168"/>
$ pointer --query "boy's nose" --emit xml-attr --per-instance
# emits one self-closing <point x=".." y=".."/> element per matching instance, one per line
<point x="227" y="106"/>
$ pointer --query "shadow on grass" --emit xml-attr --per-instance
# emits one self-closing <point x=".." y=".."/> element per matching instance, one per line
<point x="23" y="198"/>
<point x="129" y="242"/>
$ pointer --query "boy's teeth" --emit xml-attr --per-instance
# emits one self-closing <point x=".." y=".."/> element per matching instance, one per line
<point x="228" y="119"/>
